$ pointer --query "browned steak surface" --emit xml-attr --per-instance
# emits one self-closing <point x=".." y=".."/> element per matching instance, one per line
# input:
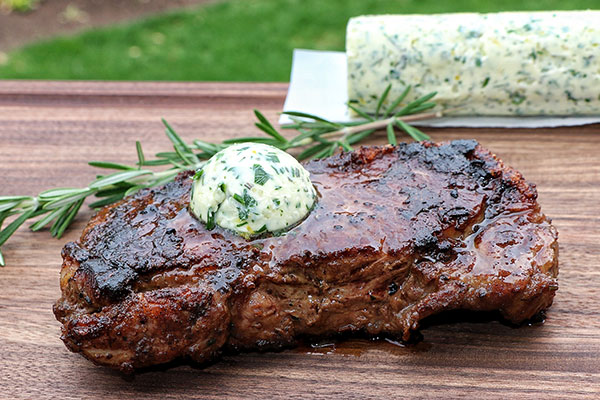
<point x="398" y="234"/>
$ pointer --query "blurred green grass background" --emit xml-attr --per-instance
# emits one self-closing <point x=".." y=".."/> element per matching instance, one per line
<point x="19" y="5"/>
<point x="233" y="40"/>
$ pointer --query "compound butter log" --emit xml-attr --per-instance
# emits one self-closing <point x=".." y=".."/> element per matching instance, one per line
<point x="514" y="63"/>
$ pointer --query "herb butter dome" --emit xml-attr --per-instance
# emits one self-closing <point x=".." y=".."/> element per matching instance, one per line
<point x="252" y="188"/>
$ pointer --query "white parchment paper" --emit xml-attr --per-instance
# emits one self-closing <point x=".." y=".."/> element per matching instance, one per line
<point x="318" y="85"/>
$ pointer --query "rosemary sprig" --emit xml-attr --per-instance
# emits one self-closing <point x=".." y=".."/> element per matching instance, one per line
<point x="58" y="207"/>
<point x="330" y="136"/>
<point x="317" y="136"/>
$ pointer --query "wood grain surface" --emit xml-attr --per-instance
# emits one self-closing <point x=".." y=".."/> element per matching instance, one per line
<point x="49" y="130"/>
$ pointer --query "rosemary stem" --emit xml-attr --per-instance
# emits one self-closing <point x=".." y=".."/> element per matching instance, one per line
<point x="349" y="130"/>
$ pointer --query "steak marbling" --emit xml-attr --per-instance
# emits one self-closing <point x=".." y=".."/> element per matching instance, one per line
<point x="398" y="234"/>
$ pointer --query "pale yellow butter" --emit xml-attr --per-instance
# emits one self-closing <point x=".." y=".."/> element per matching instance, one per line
<point x="517" y="63"/>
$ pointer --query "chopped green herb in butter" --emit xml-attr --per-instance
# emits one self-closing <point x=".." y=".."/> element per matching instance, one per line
<point x="252" y="189"/>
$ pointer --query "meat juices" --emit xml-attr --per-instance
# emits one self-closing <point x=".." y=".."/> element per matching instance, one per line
<point x="398" y="234"/>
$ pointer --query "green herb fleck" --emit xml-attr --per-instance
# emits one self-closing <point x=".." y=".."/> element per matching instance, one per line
<point x="260" y="175"/>
<point x="277" y="202"/>
<point x="478" y="62"/>
<point x="272" y="157"/>
<point x="517" y="98"/>
<point x="223" y="187"/>
<point x="262" y="229"/>
<point x="577" y="74"/>
<point x="239" y="199"/>
<point x="249" y="201"/>
<point x="243" y="214"/>
<point x="570" y="96"/>
<point x="210" y="220"/>
<point x="198" y="174"/>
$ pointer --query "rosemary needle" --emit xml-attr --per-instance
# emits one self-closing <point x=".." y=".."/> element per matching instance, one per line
<point x="318" y="136"/>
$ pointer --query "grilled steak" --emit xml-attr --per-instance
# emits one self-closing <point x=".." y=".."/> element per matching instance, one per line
<point x="398" y="234"/>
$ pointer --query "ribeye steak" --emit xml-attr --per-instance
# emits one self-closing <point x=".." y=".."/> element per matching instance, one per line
<point x="398" y="234"/>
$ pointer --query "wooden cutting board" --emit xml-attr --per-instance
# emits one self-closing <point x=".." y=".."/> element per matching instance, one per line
<point x="49" y="130"/>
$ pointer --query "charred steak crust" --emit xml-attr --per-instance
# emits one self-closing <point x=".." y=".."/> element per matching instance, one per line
<point x="398" y="234"/>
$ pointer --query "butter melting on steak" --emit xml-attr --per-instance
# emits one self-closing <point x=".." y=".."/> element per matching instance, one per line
<point x="398" y="234"/>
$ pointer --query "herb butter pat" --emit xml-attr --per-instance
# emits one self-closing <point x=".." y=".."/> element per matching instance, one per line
<point x="252" y="188"/>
